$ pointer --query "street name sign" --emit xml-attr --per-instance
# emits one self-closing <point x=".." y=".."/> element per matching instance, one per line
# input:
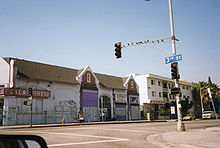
<point x="173" y="59"/>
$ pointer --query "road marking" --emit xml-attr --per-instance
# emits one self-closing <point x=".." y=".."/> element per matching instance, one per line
<point x="111" y="139"/>
<point x="68" y="134"/>
<point x="90" y="142"/>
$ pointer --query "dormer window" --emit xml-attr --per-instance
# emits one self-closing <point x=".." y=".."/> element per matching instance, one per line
<point x="88" y="77"/>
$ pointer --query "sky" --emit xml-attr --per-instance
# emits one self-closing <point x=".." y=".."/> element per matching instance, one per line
<point x="80" y="33"/>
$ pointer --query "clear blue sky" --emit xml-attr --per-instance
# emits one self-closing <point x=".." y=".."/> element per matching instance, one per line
<point x="78" y="33"/>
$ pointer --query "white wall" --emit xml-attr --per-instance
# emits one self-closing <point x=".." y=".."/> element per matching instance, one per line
<point x="4" y="71"/>
<point x="141" y="80"/>
<point x="64" y="103"/>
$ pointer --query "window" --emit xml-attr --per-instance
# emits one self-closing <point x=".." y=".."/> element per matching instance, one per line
<point x="88" y="77"/>
<point x="183" y="87"/>
<point x="159" y="83"/>
<point x="169" y="85"/>
<point x="152" y="82"/>
<point x="187" y="88"/>
<point x="132" y="84"/>
<point x="160" y="94"/>
<point x="164" y="85"/>
<point x="153" y="93"/>
<point x="165" y="94"/>
<point x="171" y="97"/>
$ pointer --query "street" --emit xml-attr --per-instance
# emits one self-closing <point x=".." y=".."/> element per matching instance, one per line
<point x="110" y="135"/>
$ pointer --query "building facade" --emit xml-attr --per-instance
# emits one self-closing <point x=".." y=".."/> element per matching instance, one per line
<point x="61" y="93"/>
<point x="155" y="91"/>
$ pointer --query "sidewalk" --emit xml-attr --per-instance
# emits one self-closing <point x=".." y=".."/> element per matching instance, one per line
<point x="197" y="138"/>
<point x="77" y="124"/>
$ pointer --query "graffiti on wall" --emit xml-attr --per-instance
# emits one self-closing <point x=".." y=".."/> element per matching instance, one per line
<point x="12" y="113"/>
<point x="66" y="109"/>
<point x="67" y="103"/>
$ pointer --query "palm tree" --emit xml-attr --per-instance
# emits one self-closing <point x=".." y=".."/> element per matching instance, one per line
<point x="201" y="95"/>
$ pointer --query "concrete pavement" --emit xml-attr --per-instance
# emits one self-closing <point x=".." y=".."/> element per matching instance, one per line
<point x="204" y="138"/>
<point x="192" y="138"/>
<point x="208" y="137"/>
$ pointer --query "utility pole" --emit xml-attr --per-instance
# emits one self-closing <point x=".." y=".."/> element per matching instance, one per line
<point x="200" y="93"/>
<point x="102" y="112"/>
<point x="180" y="124"/>
<point x="31" y="99"/>
<point x="210" y="96"/>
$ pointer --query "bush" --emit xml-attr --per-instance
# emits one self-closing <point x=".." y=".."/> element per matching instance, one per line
<point x="163" y="112"/>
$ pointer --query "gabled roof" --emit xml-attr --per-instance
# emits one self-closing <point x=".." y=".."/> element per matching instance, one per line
<point x="110" y="81"/>
<point x="40" y="71"/>
<point x="124" y="79"/>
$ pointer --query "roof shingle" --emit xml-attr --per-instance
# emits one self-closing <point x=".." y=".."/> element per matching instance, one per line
<point x="46" y="72"/>
<point x="39" y="71"/>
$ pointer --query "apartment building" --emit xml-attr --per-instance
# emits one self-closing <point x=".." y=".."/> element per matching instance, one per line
<point x="155" y="91"/>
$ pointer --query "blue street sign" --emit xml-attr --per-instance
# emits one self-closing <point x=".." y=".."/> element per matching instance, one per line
<point x="173" y="59"/>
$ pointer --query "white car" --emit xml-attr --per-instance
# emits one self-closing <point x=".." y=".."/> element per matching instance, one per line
<point x="208" y="115"/>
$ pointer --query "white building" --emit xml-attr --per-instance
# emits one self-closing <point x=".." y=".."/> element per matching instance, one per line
<point x="155" y="91"/>
<point x="60" y="92"/>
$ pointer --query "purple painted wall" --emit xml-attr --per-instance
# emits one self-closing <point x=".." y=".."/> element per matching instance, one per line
<point x="120" y="105"/>
<point x="90" y="99"/>
<point x="120" y="112"/>
<point x="120" y="118"/>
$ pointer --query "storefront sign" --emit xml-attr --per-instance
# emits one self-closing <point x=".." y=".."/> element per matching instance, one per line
<point x="134" y="100"/>
<point x="120" y="98"/>
<point x="24" y="93"/>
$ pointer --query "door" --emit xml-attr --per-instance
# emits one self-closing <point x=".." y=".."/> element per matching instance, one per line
<point x="105" y="107"/>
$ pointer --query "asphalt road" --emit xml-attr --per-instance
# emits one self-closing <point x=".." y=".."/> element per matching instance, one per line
<point x="107" y="135"/>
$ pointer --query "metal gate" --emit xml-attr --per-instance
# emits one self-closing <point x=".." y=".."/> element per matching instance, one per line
<point x="90" y="105"/>
<point x="105" y="107"/>
<point x="120" y="112"/>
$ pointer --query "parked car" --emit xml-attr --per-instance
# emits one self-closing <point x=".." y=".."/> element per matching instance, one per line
<point x="218" y="115"/>
<point x="189" y="117"/>
<point x="208" y="115"/>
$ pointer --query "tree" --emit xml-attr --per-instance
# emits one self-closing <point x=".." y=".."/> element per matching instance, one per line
<point x="186" y="105"/>
<point x="165" y="110"/>
<point x="201" y="95"/>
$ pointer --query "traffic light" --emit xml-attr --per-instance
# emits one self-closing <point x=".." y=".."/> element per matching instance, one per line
<point x="174" y="71"/>
<point x="118" y="50"/>
<point x="30" y="91"/>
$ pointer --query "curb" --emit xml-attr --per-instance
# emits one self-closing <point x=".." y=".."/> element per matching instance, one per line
<point x="78" y="124"/>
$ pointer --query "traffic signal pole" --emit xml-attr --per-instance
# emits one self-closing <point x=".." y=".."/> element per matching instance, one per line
<point x="180" y="124"/>
<point x="174" y="66"/>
